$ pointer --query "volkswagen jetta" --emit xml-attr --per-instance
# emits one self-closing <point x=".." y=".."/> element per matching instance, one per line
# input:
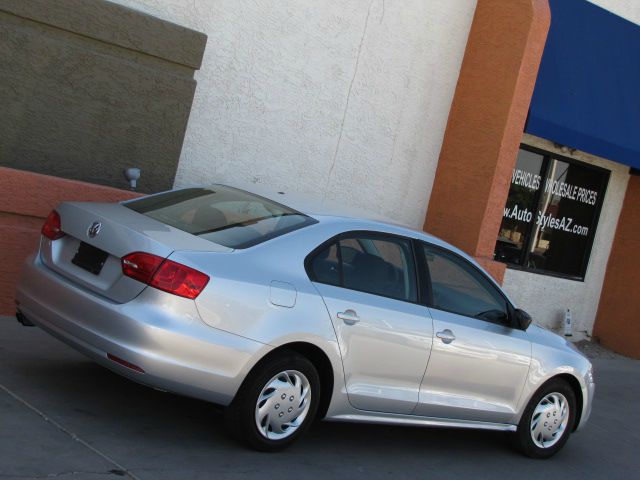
<point x="286" y="313"/>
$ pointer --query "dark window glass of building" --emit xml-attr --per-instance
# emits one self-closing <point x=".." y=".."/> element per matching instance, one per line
<point x="520" y="208"/>
<point x="551" y="214"/>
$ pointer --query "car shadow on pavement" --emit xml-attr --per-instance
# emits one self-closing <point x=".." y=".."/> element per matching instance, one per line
<point x="161" y="435"/>
<point x="82" y="392"/>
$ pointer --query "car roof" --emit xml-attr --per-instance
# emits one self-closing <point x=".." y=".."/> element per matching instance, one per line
<point x="351" y="218"/>
<point x="328" y="211"/>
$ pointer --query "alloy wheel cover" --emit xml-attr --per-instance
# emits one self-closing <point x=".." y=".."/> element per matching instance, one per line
<point x="283" y="405"/>
<point x="549" y="420"/>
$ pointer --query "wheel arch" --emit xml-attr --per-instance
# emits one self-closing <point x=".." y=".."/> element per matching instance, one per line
<point x="320" y="361"/>
<point x="575" y="386"/>
<point x="574" y="383"/>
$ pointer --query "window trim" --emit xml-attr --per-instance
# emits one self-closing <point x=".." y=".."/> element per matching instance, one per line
<point x="547" y="156"/>
<point x="370" y="233"/>
<point x="422" y="274"/>
<point x="510" y="307"/>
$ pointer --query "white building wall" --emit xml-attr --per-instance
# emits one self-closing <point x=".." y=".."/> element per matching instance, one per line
<point x="546" y="298"/>
<point x="345" y="99"/>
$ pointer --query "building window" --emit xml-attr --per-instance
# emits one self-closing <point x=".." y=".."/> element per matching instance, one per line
<point x="551" y="214"/>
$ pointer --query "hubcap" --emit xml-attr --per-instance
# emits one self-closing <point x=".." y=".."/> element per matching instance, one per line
<point x="283" y="404"/>
<point x="549" y="420"/>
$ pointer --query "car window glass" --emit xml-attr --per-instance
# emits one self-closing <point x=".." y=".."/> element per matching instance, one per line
<point x="224" y="215"/>
<point x="349" y="248"/>
<point x="379" y="265"/>
<point x="324" y="266"/>
<point x="456" y="286"/>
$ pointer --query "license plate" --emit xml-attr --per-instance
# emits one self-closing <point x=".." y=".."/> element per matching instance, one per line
<point x="90" y="258"/>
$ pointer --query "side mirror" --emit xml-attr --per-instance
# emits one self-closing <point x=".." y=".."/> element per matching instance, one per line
<point x="521" y="319"/>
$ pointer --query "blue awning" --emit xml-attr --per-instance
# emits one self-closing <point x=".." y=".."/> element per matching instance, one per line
<point x="587" y="95"/>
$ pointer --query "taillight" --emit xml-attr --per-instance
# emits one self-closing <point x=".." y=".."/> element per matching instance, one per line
<point x="52" y="228"/>
<point x="179" y="279"/>
<point x="165" y="275"/>
<point x="141" y="266"/>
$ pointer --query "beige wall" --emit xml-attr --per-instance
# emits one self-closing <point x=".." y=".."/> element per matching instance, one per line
<point x="346" y="99"/>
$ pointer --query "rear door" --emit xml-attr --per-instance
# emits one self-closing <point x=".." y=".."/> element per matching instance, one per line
<point x="369" y="285"/>
<point x="478" y="363"/>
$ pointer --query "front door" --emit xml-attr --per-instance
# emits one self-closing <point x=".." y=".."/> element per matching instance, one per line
<point x="478" y="363"/>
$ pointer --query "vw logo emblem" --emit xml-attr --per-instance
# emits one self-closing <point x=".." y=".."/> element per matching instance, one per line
<point x="94" y="229"/>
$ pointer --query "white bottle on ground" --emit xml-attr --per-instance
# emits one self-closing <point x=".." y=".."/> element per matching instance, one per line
<point x="568" y="327"/>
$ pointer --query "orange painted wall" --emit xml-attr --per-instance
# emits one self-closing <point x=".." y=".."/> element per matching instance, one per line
<point x="618" y="320"/>
<point x="485" y="125"/>
<point x="25" y="200"/>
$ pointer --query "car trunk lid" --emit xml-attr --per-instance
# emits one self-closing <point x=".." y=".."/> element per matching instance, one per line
<point x="98" y="235"/>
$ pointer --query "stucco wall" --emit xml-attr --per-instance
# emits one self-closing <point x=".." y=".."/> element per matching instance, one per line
<point x="617" y="324"/>
<point x="348" y="99"/>
<point x="546" y="298"/>
<point x="89" y="88"/>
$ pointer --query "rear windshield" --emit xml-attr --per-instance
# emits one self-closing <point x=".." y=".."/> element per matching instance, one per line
<point x="224" y="215"/>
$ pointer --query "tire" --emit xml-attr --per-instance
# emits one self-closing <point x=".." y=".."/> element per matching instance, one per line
<point x="547" y="421"/>
<point x="276" y="403"/>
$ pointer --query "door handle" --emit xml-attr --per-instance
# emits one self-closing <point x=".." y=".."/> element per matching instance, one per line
<point x="349" y="317"/>
<point x="446" y="336"/>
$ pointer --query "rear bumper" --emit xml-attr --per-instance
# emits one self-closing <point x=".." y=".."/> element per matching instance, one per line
<point x="161" y="333"/>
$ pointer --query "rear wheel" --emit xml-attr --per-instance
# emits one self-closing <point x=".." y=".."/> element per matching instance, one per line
<point x="547" y="421"/>
<point x="276" y="403"/>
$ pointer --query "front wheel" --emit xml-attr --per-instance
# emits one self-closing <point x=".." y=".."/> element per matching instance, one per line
<point x="547" y="421"/>
<point x="276" y="403"/>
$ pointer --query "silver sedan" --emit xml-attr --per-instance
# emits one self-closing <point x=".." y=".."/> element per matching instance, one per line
<point x="286" y="313"/>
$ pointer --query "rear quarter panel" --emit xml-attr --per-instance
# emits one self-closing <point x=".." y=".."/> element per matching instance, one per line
<point x="246" y="288"/>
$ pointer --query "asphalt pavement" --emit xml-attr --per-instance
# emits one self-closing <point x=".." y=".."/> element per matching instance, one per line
<point x="62" y="416"/>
